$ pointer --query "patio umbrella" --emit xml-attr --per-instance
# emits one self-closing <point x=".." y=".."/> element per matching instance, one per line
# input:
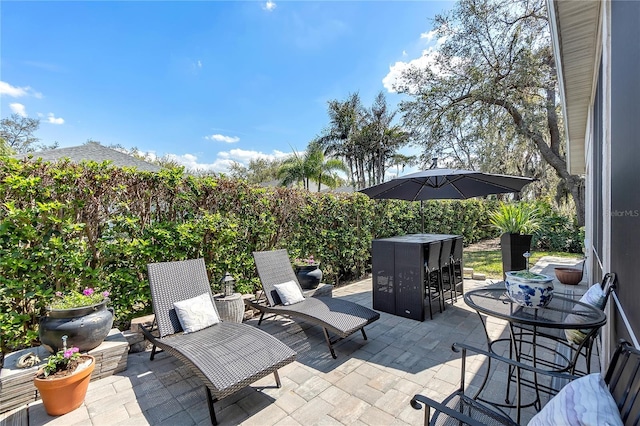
<point x="445" y="184"/>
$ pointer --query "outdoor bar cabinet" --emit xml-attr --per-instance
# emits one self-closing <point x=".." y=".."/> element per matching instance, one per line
<point x="398" y="273"/>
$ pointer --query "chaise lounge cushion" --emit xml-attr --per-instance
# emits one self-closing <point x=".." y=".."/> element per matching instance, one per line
<point x="196" y="313"/>
<point x="289" y="293"/>
<point x="583" y="402"/>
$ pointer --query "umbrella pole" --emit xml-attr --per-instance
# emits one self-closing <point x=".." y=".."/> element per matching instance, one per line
<point x="422" y="216"/>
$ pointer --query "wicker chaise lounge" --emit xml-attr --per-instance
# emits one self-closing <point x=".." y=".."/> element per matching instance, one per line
<point x="340" y="317"/>
<point x="226" y="356"/>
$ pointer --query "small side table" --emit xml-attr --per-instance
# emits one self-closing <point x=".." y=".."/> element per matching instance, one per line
<point x="230" y="308"/>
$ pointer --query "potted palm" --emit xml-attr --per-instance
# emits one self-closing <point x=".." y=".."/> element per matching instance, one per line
<point x="82" y="316"/>
<point x="516" y="222"/>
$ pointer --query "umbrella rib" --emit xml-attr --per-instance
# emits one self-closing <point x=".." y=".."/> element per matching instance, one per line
<point x="496" y="184"/>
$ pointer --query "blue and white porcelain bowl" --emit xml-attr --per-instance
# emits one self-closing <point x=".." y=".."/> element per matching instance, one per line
<point x="529" y="289"/>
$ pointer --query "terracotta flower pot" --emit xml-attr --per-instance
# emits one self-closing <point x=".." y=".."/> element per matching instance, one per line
<point x="569" y="276"/>
<point x="62" y="395"/>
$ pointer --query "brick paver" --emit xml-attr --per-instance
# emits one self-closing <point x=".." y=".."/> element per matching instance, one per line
<point x="370" y="383"/>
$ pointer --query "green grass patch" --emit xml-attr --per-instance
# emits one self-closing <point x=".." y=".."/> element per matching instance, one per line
<point x="490" y="262"/>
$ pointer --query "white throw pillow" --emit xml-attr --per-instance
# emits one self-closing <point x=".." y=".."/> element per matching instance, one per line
<point x="583" y="402"/>
<point x="289" y="293"/>
<point x="196" y="313"/>
<point x="594" y="296"/>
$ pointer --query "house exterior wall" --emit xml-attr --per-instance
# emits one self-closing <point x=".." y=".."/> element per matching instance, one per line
<point x="625" y="165"/>
<point x="613" y="169"/>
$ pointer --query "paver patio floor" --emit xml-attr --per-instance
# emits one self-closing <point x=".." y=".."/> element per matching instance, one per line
<point x="370" y="383"/>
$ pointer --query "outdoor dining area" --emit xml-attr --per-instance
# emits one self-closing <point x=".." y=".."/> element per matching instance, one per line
<point x="382" y="380"/>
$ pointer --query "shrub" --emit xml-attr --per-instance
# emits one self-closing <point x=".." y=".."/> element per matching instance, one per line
<point x="65" y="227"/>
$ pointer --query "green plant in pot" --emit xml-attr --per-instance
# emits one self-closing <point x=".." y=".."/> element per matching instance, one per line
<point x="516" y="222"/>
<point x="83" y="316"/>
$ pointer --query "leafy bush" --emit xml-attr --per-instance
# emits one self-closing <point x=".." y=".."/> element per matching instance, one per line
<point x="557" y="232"/>
<point x="65" y="227"/>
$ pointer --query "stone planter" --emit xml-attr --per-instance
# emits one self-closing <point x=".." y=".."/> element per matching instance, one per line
<point x="309" y="276"/>
<point x="86" y="327"/>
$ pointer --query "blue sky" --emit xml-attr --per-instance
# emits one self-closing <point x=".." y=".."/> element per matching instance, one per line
<point x="205" y="82"/>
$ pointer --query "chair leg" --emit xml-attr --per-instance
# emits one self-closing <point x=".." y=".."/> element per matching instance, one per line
<point x="364" y="335"/>
<point x="427" y="289"/>
<point x="210" y="402"/>
<point x="153" y="353"/>
<point x="326" y="337"/>
<point x="441" y="290"/>
<point x="452" y="284"/>
<point x="261" y="318"/>
<point x="277" y="376"/>
<point x="588" y="351"/>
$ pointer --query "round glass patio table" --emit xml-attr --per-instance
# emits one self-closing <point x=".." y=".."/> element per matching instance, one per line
<point x="526" y="327"/>
<point x="495" y="302"/>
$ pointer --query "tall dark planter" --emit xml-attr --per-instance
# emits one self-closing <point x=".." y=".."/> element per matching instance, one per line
<point x="308" y="276"/>
<point x="85" y="327"/>
<point x="513" y="247"/>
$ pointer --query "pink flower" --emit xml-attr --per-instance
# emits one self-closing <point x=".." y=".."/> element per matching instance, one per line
<point x="105" y="294"/>
<point x="87" y="291"/>
<point x="69" y="352"/>
<point x="59" y="293"/>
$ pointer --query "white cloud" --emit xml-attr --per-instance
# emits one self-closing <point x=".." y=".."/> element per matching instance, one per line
<point x="224" y="160"/>
<point x="199" y="63"/>
<point x="244" y="156"/>
<point x="53" y="120"/>
<point x="269" y="6"/>
<point x="17" y="92"/>
<point x="428" y="59"/>
<point x="428" y="35"/>
<point x="222" y="138"/>
<point x="18" y="109"/>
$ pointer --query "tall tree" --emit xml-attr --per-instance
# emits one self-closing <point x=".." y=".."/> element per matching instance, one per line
<point x="365" y="138"/>
<point x="384" y="138"/>
<point x="340" y="138"/>
<point x="259" y="170"/>
<point x="491" y="91"/>
<point x="17" y="132"/>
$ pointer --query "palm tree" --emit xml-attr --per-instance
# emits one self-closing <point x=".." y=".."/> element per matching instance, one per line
<point x="292" y="171"/>
<point x="340" y="137"/>
<point x="323" y="170"/>
<point x="312" y="166"/>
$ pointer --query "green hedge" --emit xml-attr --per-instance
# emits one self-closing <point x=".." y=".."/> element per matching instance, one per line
<point x="66" y="226"/>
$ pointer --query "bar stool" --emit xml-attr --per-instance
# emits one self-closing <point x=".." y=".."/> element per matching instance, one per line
<point x="445" y="266"/>
<point x="456" y="267"/>
<point x="431" y="276"/>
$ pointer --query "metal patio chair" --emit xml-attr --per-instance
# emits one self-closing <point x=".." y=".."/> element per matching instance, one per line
<point x="569" y="351"/>
<point x="622" y="379"/>
<point x="226" y="356"/>
<point x="340" y="317"/>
